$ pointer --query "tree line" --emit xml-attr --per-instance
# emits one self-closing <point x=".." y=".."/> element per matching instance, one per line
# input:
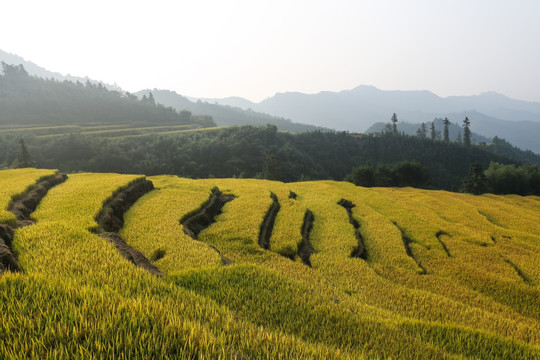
<point x="264" y="152"/>
<point x="434" y="134"/>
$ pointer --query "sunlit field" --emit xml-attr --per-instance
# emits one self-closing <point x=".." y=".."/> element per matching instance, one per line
<point x="441" y="275"/>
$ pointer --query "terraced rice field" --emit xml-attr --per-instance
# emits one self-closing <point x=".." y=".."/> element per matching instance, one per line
<point x="107" y="131"/>
<point x="256" y="269"/>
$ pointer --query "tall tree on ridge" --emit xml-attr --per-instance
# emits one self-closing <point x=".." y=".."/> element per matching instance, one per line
<point x="23" y="159"/>
<point x="475" y="181"/>
<point x="394" y="124"/>
<point x="466" y="132"/>
<point x="422" y="131"/>
<point x="446" y="134"/>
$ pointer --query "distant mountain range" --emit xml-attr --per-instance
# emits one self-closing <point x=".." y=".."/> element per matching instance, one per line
<point x="355" y="110"/>
<point x="491" y="114"/>
<point x="223" y="115"/>
<point x="36" y="70"/>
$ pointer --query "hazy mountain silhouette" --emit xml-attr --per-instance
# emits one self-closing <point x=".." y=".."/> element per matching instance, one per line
<point x="38" y="71"/>
<point x="231" y="114"/>
<point x="357" y="109"/>
<point x="233" y="101"/>
<point x="224" y="115"/>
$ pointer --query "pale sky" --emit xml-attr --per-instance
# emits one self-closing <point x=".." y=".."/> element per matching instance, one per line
<point x="256" y="48"/>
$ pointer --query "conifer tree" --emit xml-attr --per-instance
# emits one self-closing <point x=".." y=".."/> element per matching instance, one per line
<point x="466" y="132"/>
<point x="394" y="124"/>
<point x="446" y="134"/>
<point x="23" y="159"/>
<point x="475" y="181"/>
<point x="422" y="131"/>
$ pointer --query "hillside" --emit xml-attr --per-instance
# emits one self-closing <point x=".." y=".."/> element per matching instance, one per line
<point x="225" y="115"/>
<point x="313" y="270"/>
<point x="38" y="71"/>
<point x="253" y="152"/>
<point x="31" y="101"/>
<point x="222" y="115"/>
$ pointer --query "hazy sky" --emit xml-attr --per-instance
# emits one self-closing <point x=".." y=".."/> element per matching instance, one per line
<point x="256" y="48"/>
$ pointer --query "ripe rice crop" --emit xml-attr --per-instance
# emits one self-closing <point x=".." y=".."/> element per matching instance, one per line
<point x="464" y="284"/>
<point x="14" y="183"/>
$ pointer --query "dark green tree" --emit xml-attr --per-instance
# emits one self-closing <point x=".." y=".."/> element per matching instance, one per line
<point x="384" y="176"/>
<point x="475" y="181"/>
<point x="411" y="173"/>
<point x="433" y="133"/>
<point x="271" y="170"/>
<point x="362" y="176"/>
<point x="23" y="159"/>
<point x="13" y="71"/>
<point x="394" y="121"/>
<point x="467" y="132"/>
<point x="446" y="134"/>
<point x="422" y="131"/>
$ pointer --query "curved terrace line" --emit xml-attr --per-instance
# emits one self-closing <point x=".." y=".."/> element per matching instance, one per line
<point x="360" y="250"/>
<point x="268" y="223"/>
<point x="111" y="220"/>
<point x="304" y="248"/>
<point x="22" y="206"/>
<point x="195" y="222"/>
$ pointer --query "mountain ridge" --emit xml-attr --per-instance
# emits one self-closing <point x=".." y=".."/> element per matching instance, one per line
<point x="36" y="70"/>
<point x="491" y="114"/>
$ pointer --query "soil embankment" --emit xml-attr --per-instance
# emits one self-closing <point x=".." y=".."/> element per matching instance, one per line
<point x="205" y="216"/>
<point x="268" y="223"/>
<point x="439" y="236"/>
<point x="304" y="248"/>
<point x="406" y="244"/>
<point x="111" y="220"/>
<point x="360" y="250"/>
<point x="22" y="206"/>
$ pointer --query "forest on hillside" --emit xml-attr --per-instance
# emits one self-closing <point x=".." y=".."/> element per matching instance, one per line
<point x="261" y="152"/>
<point x="26" y="100"/>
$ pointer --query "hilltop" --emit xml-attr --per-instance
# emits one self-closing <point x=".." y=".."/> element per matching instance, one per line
<point x="222" y="115"/>
<point x="27" y="100"/>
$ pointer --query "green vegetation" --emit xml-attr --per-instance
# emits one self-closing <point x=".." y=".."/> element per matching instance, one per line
<point x="511" y="179"/>
<point x="31" y="101"/>
<point x="260" y="152"/>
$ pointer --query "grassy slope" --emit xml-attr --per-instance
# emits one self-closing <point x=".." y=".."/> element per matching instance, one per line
<point x="468" y="285"/>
